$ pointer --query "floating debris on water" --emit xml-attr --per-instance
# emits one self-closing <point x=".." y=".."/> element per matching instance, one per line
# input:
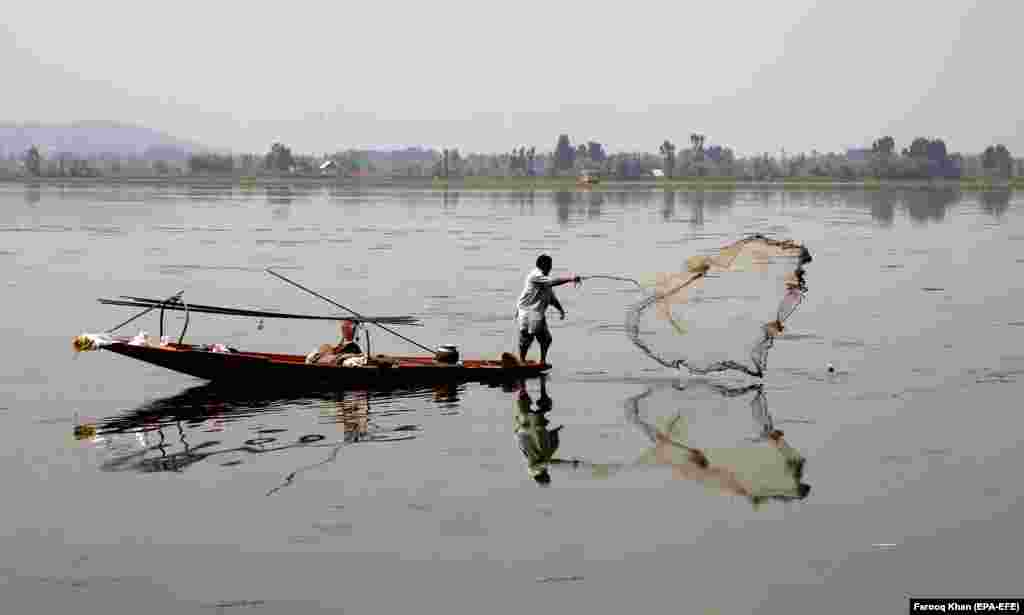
<point x="559" y="579"/>
<point x="232" y="604"/>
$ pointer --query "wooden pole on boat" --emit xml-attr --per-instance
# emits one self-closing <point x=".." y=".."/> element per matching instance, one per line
<point x="176" y="296"/>
<point x="338" y="305"/>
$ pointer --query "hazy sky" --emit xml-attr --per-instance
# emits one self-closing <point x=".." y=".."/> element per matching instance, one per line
<point x="481" y="76"/>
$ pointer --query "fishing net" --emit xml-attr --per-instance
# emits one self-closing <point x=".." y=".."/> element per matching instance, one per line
<point x="726" y="304"/>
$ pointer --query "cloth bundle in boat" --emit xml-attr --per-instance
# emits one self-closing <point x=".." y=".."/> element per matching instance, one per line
<point x="90" y="341"/>
<point x="327" y="355"/>
<point x="732" y="302"/>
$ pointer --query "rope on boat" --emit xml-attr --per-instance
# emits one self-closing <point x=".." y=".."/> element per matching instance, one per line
<point x="613" y="277"/>
<point x="173" y="298"/>
<point x="338" y="305"/>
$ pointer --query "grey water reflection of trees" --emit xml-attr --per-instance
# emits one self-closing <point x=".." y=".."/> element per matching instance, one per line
<point x="995" y="202"/>
<point x="590" y="201"/>
<point x="449" y="200"/>
<point x="595" y="201"/>
<point x="883" y="206"/>
<point x="203" y="192"/>
<point x="930" y="205"/>
<point x="698" y="201"/>
<point x="526" y="200"/>
<point x="32" y="194"/>
<point x="563" y="200"/>
<point x="280" y="194"/>
<point x="668" y="208"/>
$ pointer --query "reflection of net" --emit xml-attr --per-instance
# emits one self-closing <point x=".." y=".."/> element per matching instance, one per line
<point x="754" y="253"/>
<point x="759" y="473"/>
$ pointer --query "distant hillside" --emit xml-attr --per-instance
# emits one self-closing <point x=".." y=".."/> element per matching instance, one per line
<point x="94" y="139"/>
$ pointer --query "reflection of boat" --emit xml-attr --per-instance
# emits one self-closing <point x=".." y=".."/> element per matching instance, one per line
<point x="222" y="364"/>
<point x="226" y="403"/>
<point x="173" y="433"/>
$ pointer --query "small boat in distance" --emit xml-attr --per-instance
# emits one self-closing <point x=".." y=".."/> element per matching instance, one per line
<point x="588" y="178"/>
<point x="223" y="364"/>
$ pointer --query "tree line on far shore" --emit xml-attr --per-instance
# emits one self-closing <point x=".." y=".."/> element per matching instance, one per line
<point x="922" y="158"/>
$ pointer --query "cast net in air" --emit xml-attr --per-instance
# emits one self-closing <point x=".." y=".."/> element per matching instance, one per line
<point x="723" y="305"/>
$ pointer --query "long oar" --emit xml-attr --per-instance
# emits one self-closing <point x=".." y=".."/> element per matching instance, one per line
<point x="338" y="305"/>
<point x="212" y="309"/>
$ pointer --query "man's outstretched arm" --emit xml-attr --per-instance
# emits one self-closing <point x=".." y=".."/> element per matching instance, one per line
<point x="552" y="281"/>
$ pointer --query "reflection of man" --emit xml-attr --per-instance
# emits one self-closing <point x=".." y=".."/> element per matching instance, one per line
<point x="537" y="443"/>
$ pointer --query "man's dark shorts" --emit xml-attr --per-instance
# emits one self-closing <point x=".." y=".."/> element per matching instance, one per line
<point x="534" y="329"/>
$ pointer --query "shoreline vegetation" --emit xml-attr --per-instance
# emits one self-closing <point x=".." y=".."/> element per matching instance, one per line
<point x="531" y="183"/>
<point x="925" y="162"/>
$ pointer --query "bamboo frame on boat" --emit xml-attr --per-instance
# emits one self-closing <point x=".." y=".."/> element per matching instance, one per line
<point x="175" y="305"/>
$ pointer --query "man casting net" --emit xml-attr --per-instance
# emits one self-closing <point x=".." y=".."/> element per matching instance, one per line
<point x="731" y="303"/>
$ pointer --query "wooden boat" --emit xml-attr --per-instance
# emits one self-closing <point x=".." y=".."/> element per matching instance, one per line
<point x="220" y="364"/>
<point x="265" y="368"/>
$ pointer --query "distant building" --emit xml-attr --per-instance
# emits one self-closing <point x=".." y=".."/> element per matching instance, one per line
<point x="858" y="154"/>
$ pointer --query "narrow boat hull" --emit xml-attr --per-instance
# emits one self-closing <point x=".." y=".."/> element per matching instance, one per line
<point x="267" y="369"/>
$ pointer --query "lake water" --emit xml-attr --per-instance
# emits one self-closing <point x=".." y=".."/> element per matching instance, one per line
<point x="184" y="499"/>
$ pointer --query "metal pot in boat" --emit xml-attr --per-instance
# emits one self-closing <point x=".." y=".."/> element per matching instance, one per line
<point x="447" y="353"/>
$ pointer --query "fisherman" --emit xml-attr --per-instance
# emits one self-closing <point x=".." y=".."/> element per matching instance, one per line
<point x="347" y="348"/>
<point x="348" y="343"/>
<point x="533" y="304"/>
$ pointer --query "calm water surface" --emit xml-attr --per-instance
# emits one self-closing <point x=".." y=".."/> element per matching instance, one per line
<point x="189" y="499"/>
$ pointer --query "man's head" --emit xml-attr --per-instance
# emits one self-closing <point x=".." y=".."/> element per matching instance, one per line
<point x="348" y="330"/>
<point x="544" y="263"/>
<point x="542" y="477"/>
